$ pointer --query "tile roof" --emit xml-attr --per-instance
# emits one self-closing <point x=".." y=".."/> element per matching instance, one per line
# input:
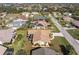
<point x="43" y="22"/>
<point x="23" y="17"/>
<point x="42" y="35"/>
<point x="67" y="18"/>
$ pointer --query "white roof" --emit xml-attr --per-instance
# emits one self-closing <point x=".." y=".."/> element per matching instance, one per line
<point x="6" y="35"/>
<point x="2" y="50"/>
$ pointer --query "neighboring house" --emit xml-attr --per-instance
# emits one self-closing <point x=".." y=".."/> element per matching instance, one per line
<point x="76" y="23"/>
<point x="67" y="18"/>
<point x="44" y="51"/>
<point x="57" y="14"/>
<point x="2" y="15"/>
<point x="40" y="37"/>
<point x="23" y="17"/>
<point x="6" y="35"/>
<point x="26" y="14"/>
<point x="2" y="50"/>
<point x="16" y="23"/>
<point x="43" y="22"/>
<point x="34" y="13"/>
<point x="40" y="24"/>
<point x="67" y="14"/>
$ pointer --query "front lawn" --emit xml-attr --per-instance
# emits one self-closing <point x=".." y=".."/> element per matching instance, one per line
<point x="74" y="33"/>
<point x="63" y="23"/>
<point x="52" y="26"/>
<point x="60" y="45"/>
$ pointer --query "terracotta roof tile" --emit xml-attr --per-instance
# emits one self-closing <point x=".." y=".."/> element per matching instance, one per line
<point x="42" y="35"/>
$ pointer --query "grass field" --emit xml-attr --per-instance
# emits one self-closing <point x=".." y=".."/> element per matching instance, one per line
<point x="60" y="42"/>
<point x="52" y="26"/>
<point x="74" y="33"/>
<point x="21" y="43"/>
<point x="55" y="29"/>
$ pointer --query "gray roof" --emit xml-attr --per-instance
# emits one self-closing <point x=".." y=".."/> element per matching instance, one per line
<point x="2" y="50"/>
<point x="44" y="51"/>
<point x="6" y="35"/>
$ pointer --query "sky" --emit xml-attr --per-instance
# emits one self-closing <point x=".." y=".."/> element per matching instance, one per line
<point x="39" y="1"/>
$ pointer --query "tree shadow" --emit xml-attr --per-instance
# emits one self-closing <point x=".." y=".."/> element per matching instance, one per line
<point x="64" y="50"/>
<point x="9" y="51"/>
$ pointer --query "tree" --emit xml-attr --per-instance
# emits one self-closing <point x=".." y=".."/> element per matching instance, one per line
<point x="21" y="52"/>
<point x="19" y="37"/>
<point x="64" y="50"/>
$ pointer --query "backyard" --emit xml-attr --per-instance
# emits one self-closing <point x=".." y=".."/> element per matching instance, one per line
<point x="60" y="45"/>
<point x="21" y="44"/>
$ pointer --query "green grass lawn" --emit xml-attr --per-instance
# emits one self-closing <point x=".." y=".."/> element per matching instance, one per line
<point x="74" y="33"/>
<point x="63" y="23"/>
<point x="60" y="41"/>
<point x="52" y="26"/>
<point x="21" y="43"/>
<point x="54" y="29"/>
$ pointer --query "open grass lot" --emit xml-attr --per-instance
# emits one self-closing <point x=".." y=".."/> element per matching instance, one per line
<point x="63" y="23"/>
<point x="74" y="33"/>
<point x="60" y="45"/>
<point x="21" y="44"/>
<point x="54" y="28"/>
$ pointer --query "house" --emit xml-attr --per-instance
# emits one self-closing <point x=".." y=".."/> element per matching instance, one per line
<point x="44" y="51"/>
<point x="2" y="50"/>
<point x="67" y="18"/>
<point x="34" y="13"/>
<point x="2" y="15"/>
<point x="6" y="35"/>
<point x="76" y="23"/>
<point x="57" y="14"/>
<point x="40" y="24"/>
<point x="43" y="22"/>
<point x="17" y="23"/>
<point x="23" y="17"/>
<point x="67" y="14"/>
<point x="26" y="14"/>
<point x="40" y="37"/>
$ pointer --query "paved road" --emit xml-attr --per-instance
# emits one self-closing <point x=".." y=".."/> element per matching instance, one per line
<point x="69" y="28"/>
<point x="68" y="37"/>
